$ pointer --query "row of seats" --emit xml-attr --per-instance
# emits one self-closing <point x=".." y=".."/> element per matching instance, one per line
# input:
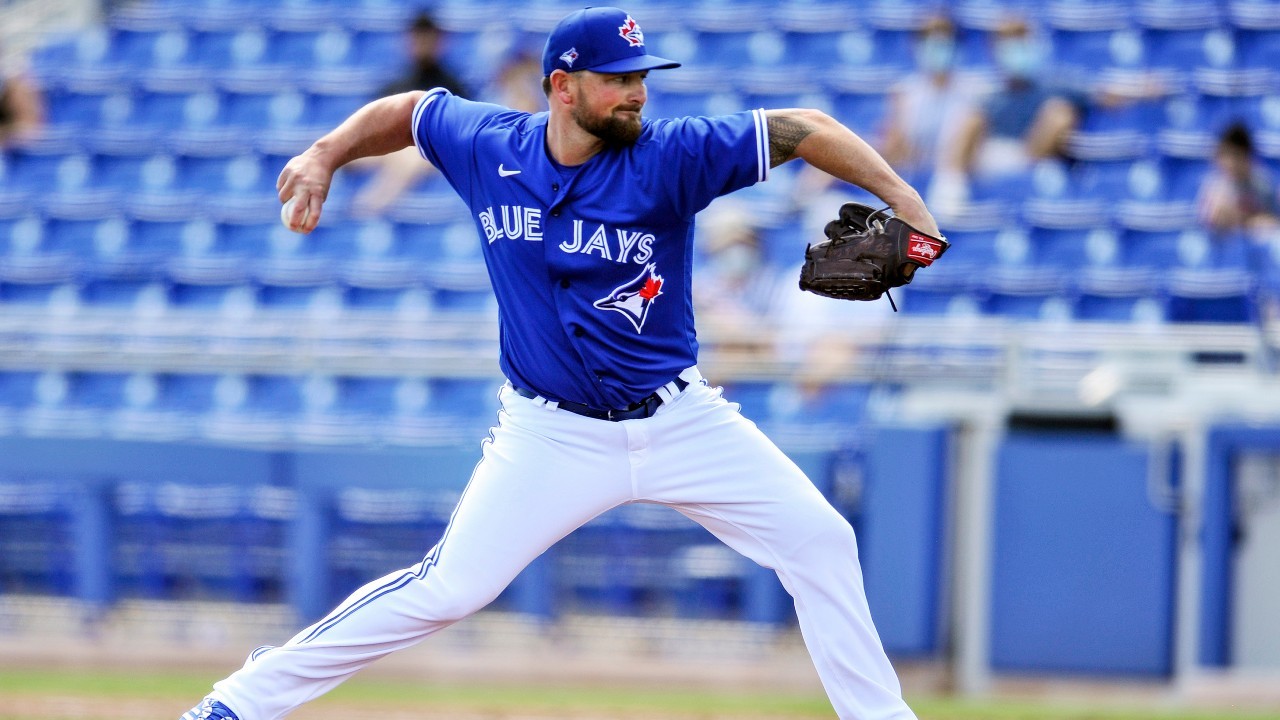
<point x="328" y="410"/>
<point x="316" y="50"/>
<point x="176" y="540"/>
<point x="247" y="409"/>
<point x="1127" y="151"/>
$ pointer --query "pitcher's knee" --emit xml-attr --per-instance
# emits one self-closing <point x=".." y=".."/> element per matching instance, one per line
<point x="830" y="532"/>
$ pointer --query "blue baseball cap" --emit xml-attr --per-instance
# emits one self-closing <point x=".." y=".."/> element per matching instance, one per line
<point x="601" y="39"/>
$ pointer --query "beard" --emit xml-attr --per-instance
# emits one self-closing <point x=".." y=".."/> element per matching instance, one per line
<point x="614" y="131"/>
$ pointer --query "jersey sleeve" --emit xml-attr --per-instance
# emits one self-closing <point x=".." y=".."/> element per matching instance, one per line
<point x="444" y="130"/>
<point x="714" y="156"/>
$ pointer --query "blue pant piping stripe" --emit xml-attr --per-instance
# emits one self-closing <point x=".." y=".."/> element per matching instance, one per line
<point x="402" y="580"/>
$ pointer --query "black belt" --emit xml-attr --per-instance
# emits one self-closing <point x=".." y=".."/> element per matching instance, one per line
<point x="641" y="409"/>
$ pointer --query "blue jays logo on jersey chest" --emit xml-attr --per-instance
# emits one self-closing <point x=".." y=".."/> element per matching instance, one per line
<point x="633" y="299"/>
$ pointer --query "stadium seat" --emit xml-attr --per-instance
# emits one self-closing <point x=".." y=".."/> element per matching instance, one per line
<point x="311" y="46"/>
<point x="145" y="47"/>
<point x="233" y="47"/>
<point x="169" y="105"/>
<point x="1180" y="50"/>
<point x="1258" y="47"/>
<point x="376" y="529"/>
<point x="1213" y="280"/>
<point x="134" y="168"/>
<point x="346" y="410"/>
<point x="430" y="412"/>
<point x="37" y="537"/>
<point x="288" y="260"/>
<point x="254" y="409"/>
<point x="161" y="407"/>
<point x="257" y="105"/>
<point x="17" y="393"/>
<point x="626" y="562"/>
<point x="185" y="541"/>
<point x="1124" y="306"/>
<point x="1107" y="44"/>
<point x="72" y="404"/>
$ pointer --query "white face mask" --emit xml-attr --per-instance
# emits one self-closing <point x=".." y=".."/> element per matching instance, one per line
<point x="1019" y="58"/>
<point x="935" y="53"/>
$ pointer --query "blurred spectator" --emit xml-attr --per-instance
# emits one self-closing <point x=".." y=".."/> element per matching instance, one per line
<point x="928" y="108"/>
<point x="1238" y="194"/>
<point x="517" y="83"/>
<point x="394" y="174"/>
<point x="21" y="107"/>
<point x="1022" y="121"/>
<point x="736" y="288"/>
<point x="426" y="45"/>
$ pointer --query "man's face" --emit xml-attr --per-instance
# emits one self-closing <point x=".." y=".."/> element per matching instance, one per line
<point x="608" y="105"/>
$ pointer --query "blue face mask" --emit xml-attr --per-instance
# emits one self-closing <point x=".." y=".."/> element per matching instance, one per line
<point x="1019" y="58"/>
<point x="935" y="54"/>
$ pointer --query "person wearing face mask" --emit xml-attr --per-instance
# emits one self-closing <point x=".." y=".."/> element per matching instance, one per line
<point x="929" y="106"/>
<point x="1024" y="120"/>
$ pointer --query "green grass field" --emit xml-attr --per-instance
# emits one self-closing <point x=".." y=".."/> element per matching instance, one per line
<point x="51" y="695"/>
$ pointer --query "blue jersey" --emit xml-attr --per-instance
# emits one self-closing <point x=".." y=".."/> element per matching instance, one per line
<point x="591" y="265"/>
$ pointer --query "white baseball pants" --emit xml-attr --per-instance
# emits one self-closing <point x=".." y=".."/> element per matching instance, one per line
<point x="543" y="474"/>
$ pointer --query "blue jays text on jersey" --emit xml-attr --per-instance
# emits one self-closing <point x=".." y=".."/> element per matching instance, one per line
<point x="591" y="265"/>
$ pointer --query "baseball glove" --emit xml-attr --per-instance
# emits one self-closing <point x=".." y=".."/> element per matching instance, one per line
<point x="864" y="255"/>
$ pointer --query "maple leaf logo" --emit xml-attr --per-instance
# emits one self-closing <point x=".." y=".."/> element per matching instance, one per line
<point x="652" y="288"/>
<point x="630" y="31"/>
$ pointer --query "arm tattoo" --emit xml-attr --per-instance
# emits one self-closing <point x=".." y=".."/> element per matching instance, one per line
<point x="785" y="133"/>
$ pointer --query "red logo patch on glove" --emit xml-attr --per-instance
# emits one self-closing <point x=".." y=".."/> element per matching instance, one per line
<point x="923" y="250"/>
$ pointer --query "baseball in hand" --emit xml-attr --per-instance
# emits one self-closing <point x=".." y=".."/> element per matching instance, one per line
<point x="286" y="211"/>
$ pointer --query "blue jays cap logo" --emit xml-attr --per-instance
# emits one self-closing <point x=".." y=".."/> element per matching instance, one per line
<point x="634" y="298"/>
<point x="630" y="31"/>
<point x="600" y="39"/>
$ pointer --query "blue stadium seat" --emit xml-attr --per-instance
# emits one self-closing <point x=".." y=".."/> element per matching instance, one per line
<point x="376" y="47"/>
<point x="336" y="411"/>
<point x="144" y="47"/>
<point x="375" y="530"/>
<point x="241" y="173"/>
<point x="198" y="255"/>
<point x="1213" y="280"/>
<point x="109" y="106"/>
<point x="1031" y="304"/>
<point x="312" y="46"/>
<point x="1125" y="306"/>
<point x="331" y="98"/>
<point x="1181" y="50"/>
<point x="37" y="537"/>
<point x="187" y="541"/>
<point x="346" y="410"/>
<point x="1258" y="47"/>
<point x="17" y="393"/>
<point x="232" y="47"/>
<point x="254" y="409"/>
<point x="410" y="411"/>
<point x="626" y="562"/>
<point x="169" y="105"/>
<point x="255" y="105"/>
<point x="161" y="407"/>
<point x="813" y="33"/>
<point x="383" y="258"/>
<point x="134" y="168"/>
<point x="72" y="404"/>
<point x="1082" y="52"/>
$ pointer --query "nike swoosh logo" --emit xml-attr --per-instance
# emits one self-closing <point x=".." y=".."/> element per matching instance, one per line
<point x="505" y="172"/>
